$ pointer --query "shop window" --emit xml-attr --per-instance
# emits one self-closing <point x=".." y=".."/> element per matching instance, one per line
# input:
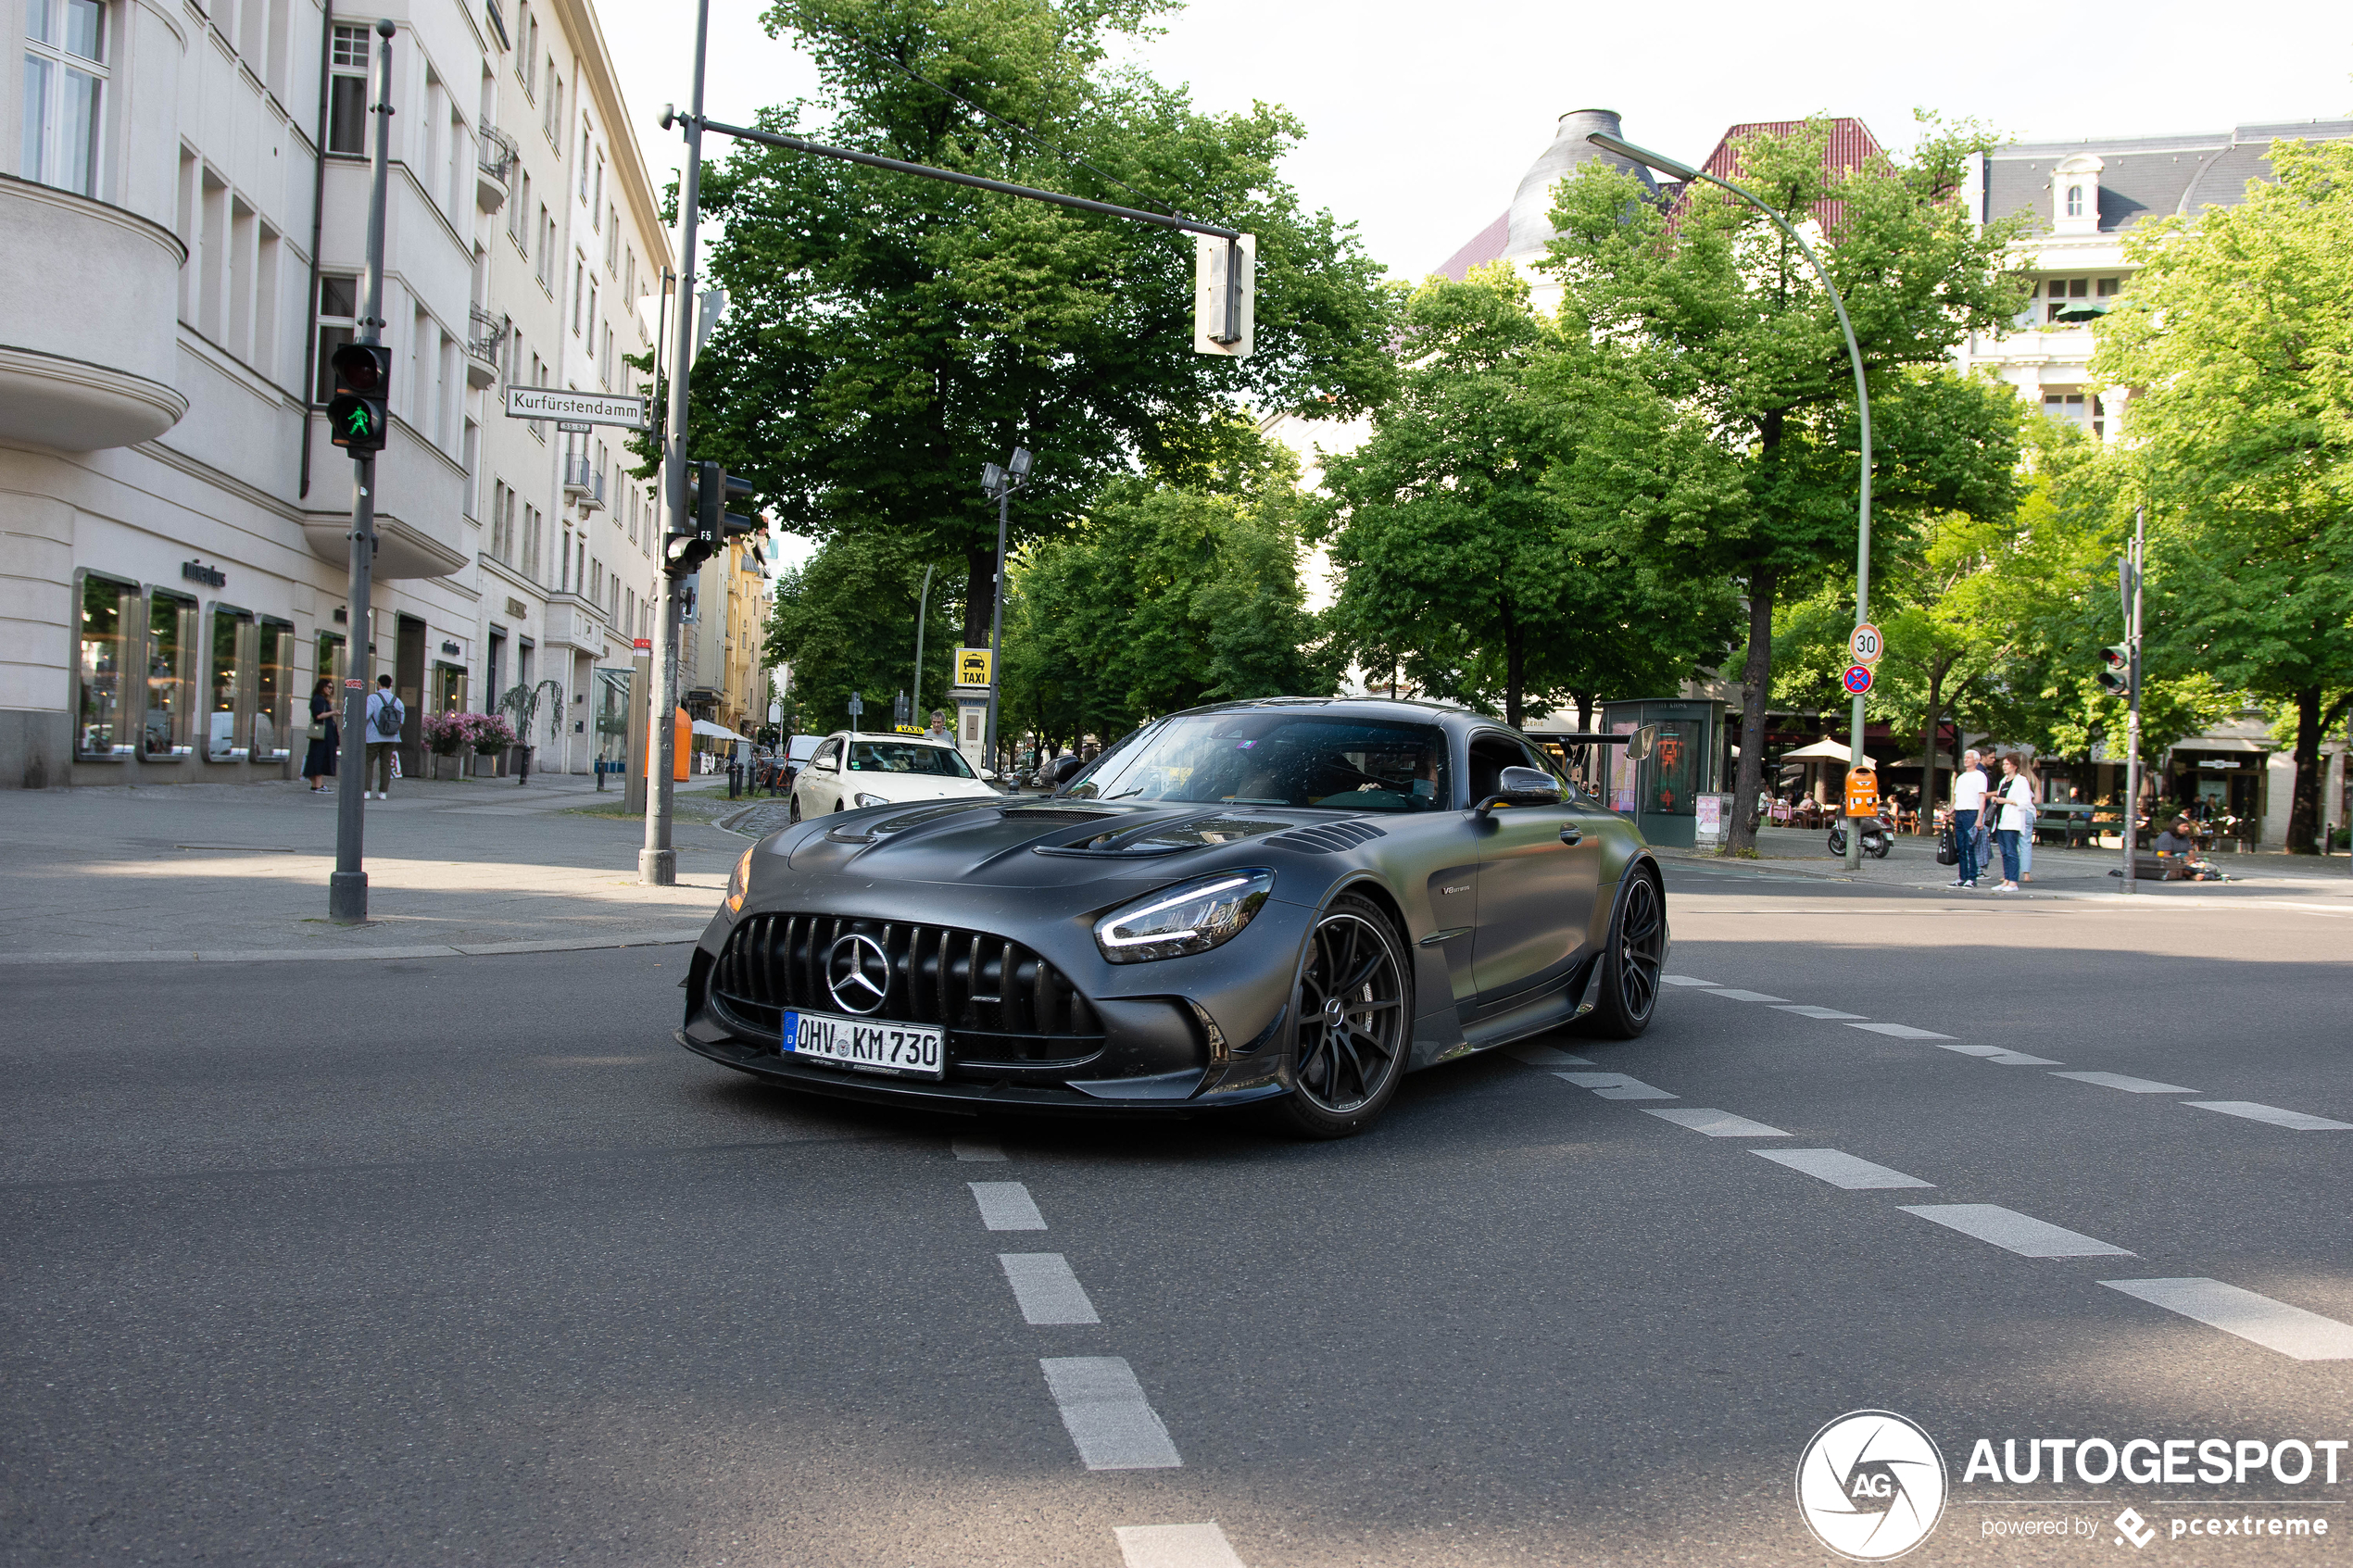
<point x="109" y="627"/>
<point x="171" y="677"/>
<point x="64" y="75"/>
<point x="448" y="688"/>
<point x="327" y="662"/>
<point x="228" y="697"/>
<point x="275" y="677"/>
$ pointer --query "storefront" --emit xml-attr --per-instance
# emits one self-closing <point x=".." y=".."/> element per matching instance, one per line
<point x="2221" y="779"/>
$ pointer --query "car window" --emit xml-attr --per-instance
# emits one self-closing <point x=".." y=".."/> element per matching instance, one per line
<point x="907" y="756"/>
<point x="1252" y="757"/>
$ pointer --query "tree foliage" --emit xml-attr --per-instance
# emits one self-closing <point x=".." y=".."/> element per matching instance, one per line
<point x="845" y="621"/>
<point x="888" y="334"/>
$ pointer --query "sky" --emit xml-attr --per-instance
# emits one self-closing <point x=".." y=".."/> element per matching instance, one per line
<point x="1421" y="118"/>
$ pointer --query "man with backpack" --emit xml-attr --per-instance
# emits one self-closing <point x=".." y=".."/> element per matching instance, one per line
<point x="386" y="715"/>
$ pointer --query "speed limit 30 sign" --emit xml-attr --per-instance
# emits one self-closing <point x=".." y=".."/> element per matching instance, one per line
<point x="1866" y="643"/>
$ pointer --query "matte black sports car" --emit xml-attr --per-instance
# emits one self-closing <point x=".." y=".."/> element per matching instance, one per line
<point x="1292" y="900"/>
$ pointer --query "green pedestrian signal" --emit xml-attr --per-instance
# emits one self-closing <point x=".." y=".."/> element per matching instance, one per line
<point x="357" y="415"/>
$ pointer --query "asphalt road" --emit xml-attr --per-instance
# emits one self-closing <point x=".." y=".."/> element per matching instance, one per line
<point x="463" y="1261"/>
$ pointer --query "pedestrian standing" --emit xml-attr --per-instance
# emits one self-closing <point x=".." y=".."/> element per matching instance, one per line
<point x="1968" y="800"/>
<point x="2034" y="792"/>
<point x="386" y="715"/>
<point x="326" y="737"/>
<point x="2016" y="800"/>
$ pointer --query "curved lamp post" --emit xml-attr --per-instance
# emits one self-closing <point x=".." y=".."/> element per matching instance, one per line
<point x="1685" y="172"/>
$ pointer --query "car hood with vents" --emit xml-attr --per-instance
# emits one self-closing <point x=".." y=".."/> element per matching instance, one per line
<point x="1060" y="844"/>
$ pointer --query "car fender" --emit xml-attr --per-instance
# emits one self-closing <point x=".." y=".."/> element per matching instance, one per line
<point x="1436" y="1030"/>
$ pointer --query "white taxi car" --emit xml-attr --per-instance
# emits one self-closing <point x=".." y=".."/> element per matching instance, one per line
<point x="850" y="770"/>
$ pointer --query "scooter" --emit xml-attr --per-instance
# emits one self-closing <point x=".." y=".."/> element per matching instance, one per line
<point x="1879" y="837"/>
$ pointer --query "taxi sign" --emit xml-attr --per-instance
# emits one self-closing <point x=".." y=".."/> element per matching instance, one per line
<point x="907" y="728"/>
<point x="1866" y="643"/>
<point x="1858" y="678"/>
<point x="972" y="667"/>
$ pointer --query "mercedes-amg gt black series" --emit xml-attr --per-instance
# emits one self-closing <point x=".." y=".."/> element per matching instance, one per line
<point x="1289" y="902"/>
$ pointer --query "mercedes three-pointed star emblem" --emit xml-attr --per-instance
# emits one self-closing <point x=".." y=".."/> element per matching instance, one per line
<point x="858" y="973"/>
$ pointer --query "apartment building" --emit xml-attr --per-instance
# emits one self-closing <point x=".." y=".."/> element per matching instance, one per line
<point x="183" y="229"/>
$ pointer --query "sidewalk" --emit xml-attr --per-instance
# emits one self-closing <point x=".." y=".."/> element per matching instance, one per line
<point x="239" y="871"/>
<point x="2062" y="872"/>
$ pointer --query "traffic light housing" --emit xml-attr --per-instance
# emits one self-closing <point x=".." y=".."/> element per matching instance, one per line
<point x="357" y="415"/>
<point x="709" y="523"/>
<point x="2116" y="669"/>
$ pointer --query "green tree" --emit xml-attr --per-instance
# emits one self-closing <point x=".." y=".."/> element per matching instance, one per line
<point x="888" y="334"/>
<point x="1733" y="326"/>
<point x="845" y="621"/>
<point x="2237" y="331"/>
<point x="1483" y="534"/>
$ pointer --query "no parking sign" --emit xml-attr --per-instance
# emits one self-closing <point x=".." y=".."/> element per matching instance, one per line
<point x="1859" y="678"/>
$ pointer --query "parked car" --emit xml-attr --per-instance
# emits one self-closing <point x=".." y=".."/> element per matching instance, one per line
<point x="1286" y="902"/>
<point x="849" y="771"/>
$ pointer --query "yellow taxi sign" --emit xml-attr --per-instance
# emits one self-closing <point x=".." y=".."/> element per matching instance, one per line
<point x="972" y="667"/>
<point x="907" y="728"/>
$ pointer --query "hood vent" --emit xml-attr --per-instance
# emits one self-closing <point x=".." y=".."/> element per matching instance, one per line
<point x="1328" y="838"/>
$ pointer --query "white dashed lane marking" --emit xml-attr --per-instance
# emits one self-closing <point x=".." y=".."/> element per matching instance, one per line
<point x="1006" y="1206"/>
<point x="2014" y="1232"/>
<point x="1715" y="1123"/>
<point x="2295" y="1120"/>
<point x="1840" y="1168"/>
<point x="1545" y="1056"/>
<point x="2126" y="1082"/>
<point x="2275" y="1325"/>
<point x="1175" y="1546"/>
<point x="1903" y="1031"/>
<point x="1048" y="1291"/>
<point x="1808" y="1010"/>
<point x="1106" y="1414"/>
<point x="969" y="1149"/>
<point x="1684" y="980"/>
<point x="1615" y="1085"/>
<point x="1729" y="993"/>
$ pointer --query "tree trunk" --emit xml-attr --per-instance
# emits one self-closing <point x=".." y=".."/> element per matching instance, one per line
<point x="2304" y="812"/>
<point x="1756" y="677"/>
<point x="1936" y="668"/>
<point x="980" y="591"/>
<point x="1514" y="664"/>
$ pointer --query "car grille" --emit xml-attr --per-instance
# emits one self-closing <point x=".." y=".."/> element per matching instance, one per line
<point x="1001" y="1004"/>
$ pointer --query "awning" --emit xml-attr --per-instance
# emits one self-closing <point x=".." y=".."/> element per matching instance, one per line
<point x="1823" y="751"/>
<point x="1943" y="762"/>
<point x="2222" y="743"/>
<point x="717" y="732"/>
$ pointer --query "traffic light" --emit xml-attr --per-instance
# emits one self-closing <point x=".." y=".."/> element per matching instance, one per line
<point x="708" y="489"/>
<point x="356" y="415"/>
<point x="2116" y="669"/>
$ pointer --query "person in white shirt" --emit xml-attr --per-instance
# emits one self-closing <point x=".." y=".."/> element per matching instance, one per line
<point x="1968" y="799"/>
<point x="2015" y="815"/>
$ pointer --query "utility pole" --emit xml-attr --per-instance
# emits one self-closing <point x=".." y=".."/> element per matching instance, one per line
<point x="2131" y="593"/>
<point x="347" y="886"/>
<point x="1000" y="484"/>
<point x="922" y="609"/>
<point x="658" y="862"/>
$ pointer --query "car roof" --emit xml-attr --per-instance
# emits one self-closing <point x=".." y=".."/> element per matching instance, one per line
<point x="1404" y="710"/>
<point x="877" y="735"/>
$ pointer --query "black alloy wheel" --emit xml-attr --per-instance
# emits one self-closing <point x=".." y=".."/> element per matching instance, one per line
<point x="1354" y="1025"/>
<point x="1631" y="961"/>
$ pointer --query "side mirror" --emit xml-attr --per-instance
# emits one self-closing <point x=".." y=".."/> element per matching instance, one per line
<point x="1064" y="770"/>
<point x="1522" y="787"/>
<point x="1640" y="745"/>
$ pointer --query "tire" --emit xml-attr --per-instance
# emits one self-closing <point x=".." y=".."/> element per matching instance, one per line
<point x="1632" y="959"/>
<point x="1349" y="1043"/>
<point x="792" y="809"/>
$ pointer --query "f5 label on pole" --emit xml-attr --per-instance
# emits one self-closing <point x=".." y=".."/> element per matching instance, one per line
<point x="1225" y="293"/>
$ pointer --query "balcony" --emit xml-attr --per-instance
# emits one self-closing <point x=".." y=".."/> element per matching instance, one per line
<point x="482" y="349"/>
<point x="583" y="483"/>
<point x="88" y="346"/>
<point x="496" y="167"/>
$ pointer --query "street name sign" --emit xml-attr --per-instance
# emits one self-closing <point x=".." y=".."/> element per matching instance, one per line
<point x="580" y="407"/>
<point x="1859" y="678"/>
<point x="1866" y="643"/>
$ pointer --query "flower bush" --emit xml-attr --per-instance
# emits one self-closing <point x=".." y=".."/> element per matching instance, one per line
<point x="444" y="733"/>
<point x="488" y="733"/>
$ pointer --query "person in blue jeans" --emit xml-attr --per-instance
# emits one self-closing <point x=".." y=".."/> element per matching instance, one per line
<point x="1968" y="800"/>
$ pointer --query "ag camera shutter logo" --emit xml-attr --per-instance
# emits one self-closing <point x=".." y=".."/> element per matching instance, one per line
<point x="1870" y="1485"/>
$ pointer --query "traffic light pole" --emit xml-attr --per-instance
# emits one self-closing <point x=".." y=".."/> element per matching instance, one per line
<point x="347" y="886"/>
<point x="658" y="862"/>
<point x="2132" y="596"/>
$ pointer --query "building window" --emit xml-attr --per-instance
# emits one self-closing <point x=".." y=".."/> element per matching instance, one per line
<point x="64" y="74"/>
<point x="2073" y="407"/>
<point x="327" y="662"/>
<point x="274" y="691"/>
<point x="172" y="675"/>
<point x="347" y="95"/>
<point x="338" y="321"/>
<point x="532" y="525"/>
<point x="592" y="317"/>
<point x="577" y="267"/>
<point x="527" y="52"/>
<point x="612" y="240"/>
<point x="229" y="708"/>
<point x="109" y="622"/>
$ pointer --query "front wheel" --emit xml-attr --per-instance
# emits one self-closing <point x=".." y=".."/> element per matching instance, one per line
<point x="1352" y="1022"/>
<point x="1631" y="961"/>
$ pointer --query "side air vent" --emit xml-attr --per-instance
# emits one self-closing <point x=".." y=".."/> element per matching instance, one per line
<point x="1328" y="838"/>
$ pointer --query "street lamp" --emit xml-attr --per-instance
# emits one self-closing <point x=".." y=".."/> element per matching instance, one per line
<point x="1000" y="484"/>
<point x="1685" y="172"/>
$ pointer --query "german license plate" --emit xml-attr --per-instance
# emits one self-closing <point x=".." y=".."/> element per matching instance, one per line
<point x="866" y="1044"/>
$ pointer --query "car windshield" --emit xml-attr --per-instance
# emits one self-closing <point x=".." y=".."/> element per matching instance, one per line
<point x="1250" y="756"/>
<point x="906" y="757"/>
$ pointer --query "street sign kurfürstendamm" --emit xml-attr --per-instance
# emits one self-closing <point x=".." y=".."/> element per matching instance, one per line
<point x="584" y="408"/>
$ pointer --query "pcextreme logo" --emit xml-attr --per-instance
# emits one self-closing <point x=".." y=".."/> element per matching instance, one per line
<point x="1870" y="1485"/>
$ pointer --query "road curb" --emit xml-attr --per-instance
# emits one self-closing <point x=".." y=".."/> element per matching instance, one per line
<point x="317" y="955"/>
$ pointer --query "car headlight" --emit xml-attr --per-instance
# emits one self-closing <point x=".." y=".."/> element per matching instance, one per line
<point x="1190" y="917"/>
<point x="739" y="882"/>
<point x="862" y="798"/>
